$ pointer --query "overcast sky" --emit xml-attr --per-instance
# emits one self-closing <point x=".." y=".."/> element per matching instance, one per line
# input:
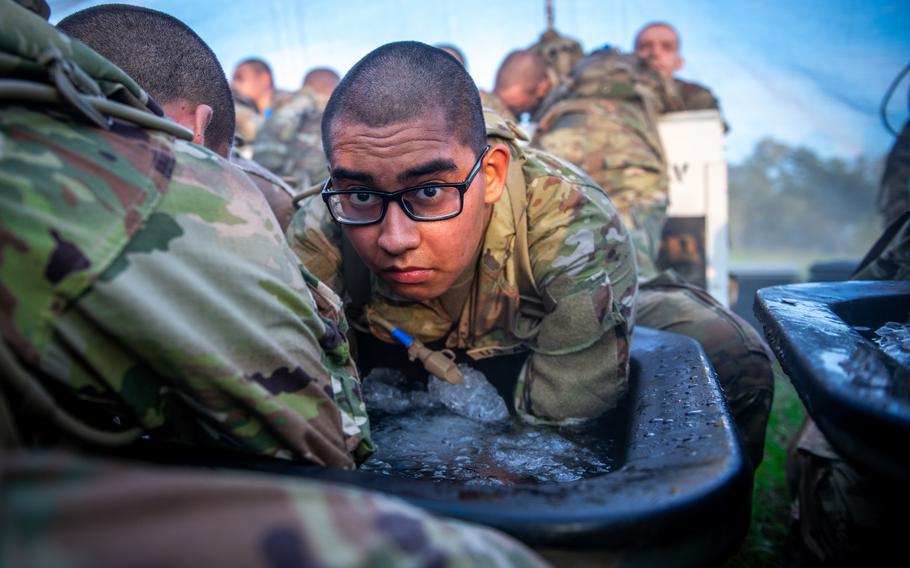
<point x="808" y="72"/>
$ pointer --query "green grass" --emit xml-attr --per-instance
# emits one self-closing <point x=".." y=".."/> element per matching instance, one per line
<point x="770" y="496"/>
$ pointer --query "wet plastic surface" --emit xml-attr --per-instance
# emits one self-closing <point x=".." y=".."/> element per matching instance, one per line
<point x="858" y="396"/>
<point x="681" y="497"/>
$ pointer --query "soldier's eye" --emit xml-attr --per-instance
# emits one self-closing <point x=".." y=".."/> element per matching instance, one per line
<point x="429" y="192"/>
<point x="362" y="200"/>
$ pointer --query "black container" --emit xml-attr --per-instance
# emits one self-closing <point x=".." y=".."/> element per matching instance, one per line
<point x="748" y="281"/>
<point x="817" y="332"/>
<point x="682" y="496"/>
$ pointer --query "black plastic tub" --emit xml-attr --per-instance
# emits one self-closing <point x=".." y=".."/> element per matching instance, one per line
<point x="857" y="395"/>
<point x="682" y="495"/>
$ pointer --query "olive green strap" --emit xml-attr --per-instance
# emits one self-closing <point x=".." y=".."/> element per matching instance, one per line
<point x="27" y="91"/>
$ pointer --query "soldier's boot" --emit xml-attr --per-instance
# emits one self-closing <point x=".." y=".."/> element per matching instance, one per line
<point x="736" y="351"/>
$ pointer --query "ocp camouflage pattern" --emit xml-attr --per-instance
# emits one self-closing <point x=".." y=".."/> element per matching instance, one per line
<point x="606" y="124"/>
<point x="289" y="143"/>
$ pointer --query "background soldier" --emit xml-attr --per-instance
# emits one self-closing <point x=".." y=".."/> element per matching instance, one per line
<point x="522" y="83"/>
<point x="605" y="122"/>
<point x="659" y="43"/>
<point x="321" y="81"/>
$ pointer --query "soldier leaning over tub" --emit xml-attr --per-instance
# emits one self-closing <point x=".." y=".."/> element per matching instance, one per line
<point x="149" y="292"/>
<point x="442" y="226"/>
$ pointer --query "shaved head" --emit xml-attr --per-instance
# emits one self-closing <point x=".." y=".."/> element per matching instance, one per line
<point x="259" y="66"/>
<point x="663" y="25"/>
<point x="658" y="42"/>
<point x="522" y="80"/>
<point x="322" y="80"/>
<point x="404" y="81"/>
<point x="164" y="56"/>
<point x="454" y="52"/>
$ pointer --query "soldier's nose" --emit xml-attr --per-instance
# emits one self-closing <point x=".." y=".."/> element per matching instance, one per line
<point x="398" y="233"/>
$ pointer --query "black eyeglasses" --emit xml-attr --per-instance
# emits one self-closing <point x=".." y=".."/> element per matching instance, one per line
<point x="428" y="202"/>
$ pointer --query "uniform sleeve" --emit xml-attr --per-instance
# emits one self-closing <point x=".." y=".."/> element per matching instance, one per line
<point x="584" y="267"/>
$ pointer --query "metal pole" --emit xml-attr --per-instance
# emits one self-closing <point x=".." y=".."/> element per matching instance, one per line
<point x="549" y="12"/>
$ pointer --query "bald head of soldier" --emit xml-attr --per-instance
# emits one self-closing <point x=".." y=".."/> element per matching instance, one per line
<point x="321" y="80"/>
<point x="658" y="42"/>
<point x="522" y="81"/>
<point x="454" y="52"/>
<point x="169" y="61"/>
<point x="254" y="80"/>
<point x="412" y="180"/>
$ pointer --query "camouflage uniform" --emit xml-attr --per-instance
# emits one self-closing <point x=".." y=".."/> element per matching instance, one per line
<point x="492" y="101"/>
<point x="146" y="282"/>
<point x="553" y="236"/>
<point x="607" y="126"/>
<point x="248" y="121"/>
<point x="289" y="143"/>
<point x="894" y="192"/>
<point x="694" y="96"/>
<point x="279" y="194"/>
<point x="559" y="53"/>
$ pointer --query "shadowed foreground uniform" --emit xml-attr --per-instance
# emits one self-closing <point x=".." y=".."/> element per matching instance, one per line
<point x="554" y="237"/>
<point x="289" y="143"/>
<point x="607" y="125"/>
<point x="144" y="279"/>
<point x="59" y="510"/>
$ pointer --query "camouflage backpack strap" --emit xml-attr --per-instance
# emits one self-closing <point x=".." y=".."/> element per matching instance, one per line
<point x="40" y="64"/>
<point x="518" y="202"/>
<point x="500" y="129"/>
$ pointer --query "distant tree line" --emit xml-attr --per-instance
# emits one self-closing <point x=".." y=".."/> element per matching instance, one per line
<point x="789" y="199"/>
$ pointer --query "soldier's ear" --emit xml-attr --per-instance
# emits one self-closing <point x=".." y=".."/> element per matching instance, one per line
<point x="495" y="170"/>
<point x="202" y="116"/>
<point x="193" y="117"/>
